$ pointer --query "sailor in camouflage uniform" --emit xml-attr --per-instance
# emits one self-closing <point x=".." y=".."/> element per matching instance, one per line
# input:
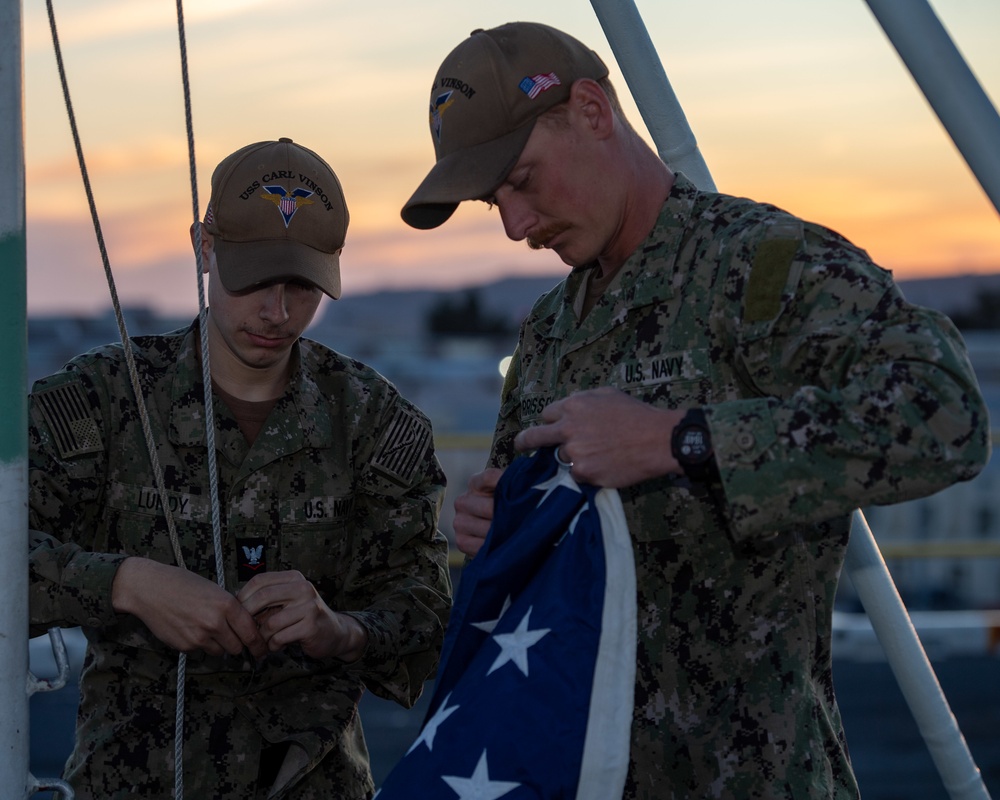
<point x="336" y="575"/>
<point x="744" y="378"/>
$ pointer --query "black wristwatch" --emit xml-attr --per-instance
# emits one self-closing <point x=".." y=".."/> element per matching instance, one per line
<point x="691" y="445"/>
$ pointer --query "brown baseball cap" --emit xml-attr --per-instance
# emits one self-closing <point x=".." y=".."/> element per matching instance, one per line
<point x="485" y="99"/>
<point x="277" y="212"/>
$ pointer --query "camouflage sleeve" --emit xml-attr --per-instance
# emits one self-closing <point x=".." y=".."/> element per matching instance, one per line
<point x="397" y="583"/>
<point x="69" y="585"/>
<point x="862" y="398"/>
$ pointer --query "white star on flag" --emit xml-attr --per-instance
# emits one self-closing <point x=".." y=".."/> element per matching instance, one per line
<point x="561" y="478"/>
<point x="479" y="786"/>
<point x="431" y="726"/>
<point x="514" y="646"/>
<point x="488" y="625"/>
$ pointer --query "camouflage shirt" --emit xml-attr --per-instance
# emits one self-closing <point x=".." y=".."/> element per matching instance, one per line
<point x="341" y="484"/>
<point x="824" y="391"/>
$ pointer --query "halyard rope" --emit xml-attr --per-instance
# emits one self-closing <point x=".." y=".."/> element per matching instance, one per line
<point x="134" y="374"/>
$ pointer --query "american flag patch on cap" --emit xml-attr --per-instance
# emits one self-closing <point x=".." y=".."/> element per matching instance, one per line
<point x="68" y="415"/>
<point x="402" y="446"/>
<point x="536" y="84"/>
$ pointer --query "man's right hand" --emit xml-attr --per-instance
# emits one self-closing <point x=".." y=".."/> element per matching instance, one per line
<point x="474" y="511"/>
<point x="184" y="610"/>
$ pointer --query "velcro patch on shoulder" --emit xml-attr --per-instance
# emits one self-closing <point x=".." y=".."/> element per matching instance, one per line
<point x="769" y="273"/>
<point x="402" y="446"/>
<point x="70" y="420"/>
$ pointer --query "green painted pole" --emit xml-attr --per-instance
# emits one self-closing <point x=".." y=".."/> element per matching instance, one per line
<point x="13" y="414"/>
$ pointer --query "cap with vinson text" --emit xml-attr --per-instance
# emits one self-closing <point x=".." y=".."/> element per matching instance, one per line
<point x="277" y="212"/>
<point x="485" y="99"/>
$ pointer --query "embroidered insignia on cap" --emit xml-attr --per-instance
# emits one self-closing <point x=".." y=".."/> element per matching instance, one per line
<point x="287" y="202"/>
<point x="438" y="107"/>
<point x="537" y="84"/>
<point x="402" y="447"/>
<point x="68" y="415"/>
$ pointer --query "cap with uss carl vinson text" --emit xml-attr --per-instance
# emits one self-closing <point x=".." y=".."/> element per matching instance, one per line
<point x="277" y="212"/>
<point x="485" y="100"/>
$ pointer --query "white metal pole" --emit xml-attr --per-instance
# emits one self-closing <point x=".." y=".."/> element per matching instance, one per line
<point x="648" y="83"/>
<point x="671" y="134"/>
<point x="948" y="84"/>
<point x="913" y="671"/>
<point x="13" y="415"/>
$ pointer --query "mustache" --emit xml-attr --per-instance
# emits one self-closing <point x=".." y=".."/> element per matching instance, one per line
<point x="540" y="239"/>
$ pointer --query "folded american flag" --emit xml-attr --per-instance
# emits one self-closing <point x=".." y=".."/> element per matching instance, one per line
<point x="534" y="693"/>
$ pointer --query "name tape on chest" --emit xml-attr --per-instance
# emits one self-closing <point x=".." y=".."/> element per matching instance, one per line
<point x="657" y="369"/>
<point x="147" y="500"/>
<point x="196" y="507"/>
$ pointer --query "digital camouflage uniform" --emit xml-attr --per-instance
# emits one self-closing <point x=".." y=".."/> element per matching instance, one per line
<point x="341" y="484"/>
<point x="824" y="391"/>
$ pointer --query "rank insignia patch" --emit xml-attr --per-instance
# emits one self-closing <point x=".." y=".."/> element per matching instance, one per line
<point x="251" y="558"/>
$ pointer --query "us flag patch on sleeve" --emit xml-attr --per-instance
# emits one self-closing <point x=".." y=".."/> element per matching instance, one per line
<point x="402" y="446"/>
<point x="68" y="415"/>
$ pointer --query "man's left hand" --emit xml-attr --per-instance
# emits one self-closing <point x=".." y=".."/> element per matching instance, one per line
<point x="289" y="610"/>
<point x="611" y="439"/>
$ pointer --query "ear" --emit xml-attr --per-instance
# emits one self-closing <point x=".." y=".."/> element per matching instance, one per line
<point x="588" y="100"/>
<point x="207" y="244"/>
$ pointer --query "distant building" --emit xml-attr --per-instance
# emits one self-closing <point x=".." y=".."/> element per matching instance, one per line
<point x="456" y="380"/>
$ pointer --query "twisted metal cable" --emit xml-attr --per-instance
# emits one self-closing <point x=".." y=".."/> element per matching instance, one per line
<point x="206" y="372"/>
<point x="206" y="377"/>
<point x="133" y="371"/>
<point x="129" y="358"/>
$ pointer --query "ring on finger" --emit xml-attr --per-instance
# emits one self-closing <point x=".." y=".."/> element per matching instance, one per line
<point x="561" y="463"/>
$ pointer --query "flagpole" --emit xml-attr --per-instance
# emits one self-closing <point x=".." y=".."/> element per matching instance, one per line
<point x="648" y="83"/>
<point x="948" y="84"/>
<point x="13" y="414"/>
<point x="671" y="134"/>
<point x="908" y="660"/>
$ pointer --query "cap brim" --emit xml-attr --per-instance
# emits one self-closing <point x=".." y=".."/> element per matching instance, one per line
<point x="244" y="265"/>
<point x="471" y="173"/>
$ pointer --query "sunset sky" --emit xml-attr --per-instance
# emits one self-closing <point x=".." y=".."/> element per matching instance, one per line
<point x="802" y="103"/>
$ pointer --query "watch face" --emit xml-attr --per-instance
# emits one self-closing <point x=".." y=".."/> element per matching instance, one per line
<point x="694" y="444"/>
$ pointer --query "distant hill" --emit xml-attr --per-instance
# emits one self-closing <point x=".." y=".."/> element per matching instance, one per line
<point x="403" y="312"/>
<point x="952" y="294"/>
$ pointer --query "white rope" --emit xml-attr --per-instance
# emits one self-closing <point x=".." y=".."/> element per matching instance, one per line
<point x="126" y="343"/>
<point x="134" y="378"/>
<point x="206" y="377"/>
<point x="206" y="372"/>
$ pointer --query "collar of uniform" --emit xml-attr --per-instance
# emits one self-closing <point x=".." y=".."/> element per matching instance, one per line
<point x="646" y="276"/>
<point x="187" y="427"/>
<point x="314" y="411"/>
<point x="309" y="425"/>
